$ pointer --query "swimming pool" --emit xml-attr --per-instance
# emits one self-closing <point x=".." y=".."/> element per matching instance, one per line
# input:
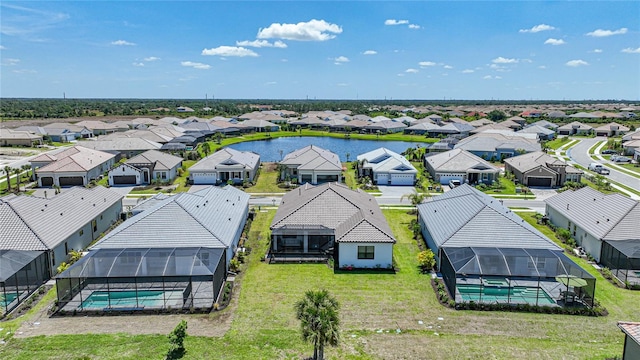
<point x="492" y="294"/>
<point x="131" y="299"/>
<point x="7" y="299"/>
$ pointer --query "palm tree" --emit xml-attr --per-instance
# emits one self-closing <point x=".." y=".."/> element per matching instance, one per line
<point x="27" y="167"/>
<point x="319" y="322"/>
<point x="7" y="172"/>
<point x="17" y="172"/>
<point x="347" y="155"/>
<point x="415" y="197"/>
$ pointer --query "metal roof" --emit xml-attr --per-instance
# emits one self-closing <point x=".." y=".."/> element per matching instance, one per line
<point x="313" y="158"/>
<point x="490" y="141"/>
<point x="598" y="214"/>
<point x="207" y="218"/>
<point x="385" y="160"/>
<point x="458" y="160"/>
<point x="466" y="217"/>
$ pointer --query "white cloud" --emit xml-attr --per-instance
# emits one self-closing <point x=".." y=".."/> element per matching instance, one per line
<point x="426" y="63"/>
<point x="396" y="22"/>
<point x="271" y="83"/>
<point x="341" y="59"/>
<point x="538" y="28"/>
<point x="552" y="41"/>
<point x="631" y="50"/>
<point x="467" y="71"/>
<point x="597" y="51"/>
<point x="576" y="63"/>
<point x="262" y="43"/>
<point x="497" y="77"/>
<point x="314" y="30"/>
<point x="370" y="52"/>
<point x="401" y="74"/>
<point x="122" y="43"/>
<point x="238" y="51"/>
<point x="605" y="33"/>
<point x="151" y="58"/>
<point x="2" y="47"/>
<point x="414" y="26"/>
<point x="501" y="60"/>
<point x="542" y="67"/>
<point x="413" y="71"/>
<point x="11" y="62"/>
<point x="342" y="84"/>
<point x="24" y="71"/>
<point x="448" y="67"/>
<point x="138" y="64"/>
<point x="284" y="60"/>
<point x="195" y="65"/>
<point x="487" y="77"/>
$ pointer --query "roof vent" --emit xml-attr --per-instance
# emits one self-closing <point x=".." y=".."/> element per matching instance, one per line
<point x="567" y="206"/>
<point x="60" y="214"/>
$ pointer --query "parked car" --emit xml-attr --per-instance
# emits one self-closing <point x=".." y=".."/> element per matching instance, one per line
<point x="603" y="171"/>
<point x="454" y="183"/>
<point x="598" y="168"/>
<point x="609" y="152"/>
<point x="618" y="158"/>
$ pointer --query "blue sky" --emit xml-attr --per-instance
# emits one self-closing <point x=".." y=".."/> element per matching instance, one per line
<point x="506" y="50"/>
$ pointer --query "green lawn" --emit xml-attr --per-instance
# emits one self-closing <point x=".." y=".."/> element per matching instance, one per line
<point x="631" y="167"/>
<point x="557" y="142"/>
<point x="592" y="150"/>
<point x="373" y="306"/>
<point x="508" y="187"/>
<point x="267" y="181"/>
<point x="350" y="176"/>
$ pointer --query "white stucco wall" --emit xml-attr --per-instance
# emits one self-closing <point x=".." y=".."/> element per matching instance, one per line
<point x="348" y="255"/>
<point x="591" y="244"/>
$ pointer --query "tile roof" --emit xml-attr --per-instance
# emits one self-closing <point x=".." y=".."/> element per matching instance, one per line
<point x="489" y="141"/>
<point x="459" y="160"/>
<point x="208" y="218"/>
<point x="354" y="215"/>
<point x="122" y="144"/>
<point x="632" y="329"/>
<point x="11" y="134"/>
<point x="385" y="160"/>
<point x="162" y="161"/>
<point x="313" y="158"/>
<point x="575" y="125"/>
<point x="227" y="157"/>
<point x="612" y="126"/>
<point x="527" y="162"/>
<point x="76" y="158"/>
<point x="537" y="129"/>
<point x="607" y="217"/>
<point x="466" y="217"/>
<point x="44" y="223"/>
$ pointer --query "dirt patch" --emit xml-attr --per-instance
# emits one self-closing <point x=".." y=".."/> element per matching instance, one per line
<point x="214" y="324"/>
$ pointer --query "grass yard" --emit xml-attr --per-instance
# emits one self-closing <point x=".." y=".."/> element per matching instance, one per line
<point x="631" y="167"/>
<point x="508" y="187"/>
<point x="267" y="180"/>
<point x="373" y="306"/>
<point x="558" y="142"/>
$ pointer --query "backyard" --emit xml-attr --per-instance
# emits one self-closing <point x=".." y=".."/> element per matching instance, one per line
<point x="384" y="316"/>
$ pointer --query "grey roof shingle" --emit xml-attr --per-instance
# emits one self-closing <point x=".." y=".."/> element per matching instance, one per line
<point x="465" y="217"/>
<point x="385" y="160"/>
<point x="45" y="223"/>
<point x="458" y="160"/>
<point x="527" y="162"/>
<point x="313" y="158"/>
<point x="162" y="161"/>
<point x="490" y="141"/>
<point x="227" y="156"/>
<point x="355" y="215"/>
<point x="207" y="218"/>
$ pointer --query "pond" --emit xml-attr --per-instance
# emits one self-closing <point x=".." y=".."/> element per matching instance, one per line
<point x="270" y="150"/>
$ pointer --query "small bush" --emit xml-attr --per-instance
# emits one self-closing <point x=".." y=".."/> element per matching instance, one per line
<point x="426" y="260"/>
<point x="176" y="341"/>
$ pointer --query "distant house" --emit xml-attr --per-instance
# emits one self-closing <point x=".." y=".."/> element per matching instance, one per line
<point x="631" y="330"/>
<point x="546" y="124"/>
<point x="19" y="138"/>
<point x="184" y="109"/>
<point x="606" y="226"/>
<point x="224" y="165"/>
<point x="511" y="124"/>
<point x="37" y="234"/>
<point x="584" y="116"/>
<point x="385" y="167"/>
<point x="144" y="168"/>
<point x="354" y="233"/>
<point x="542" y="132"/>
<point x="574" y="128"/>
<point x="102" y="128"/>
<point x="480" y="122"/>
<point x="72" y="166"/>
<point x="421" y="128"/>
<point x="556" y="114"/>
<point x="173" y="255"/>
<point x="460" y="165"/>
<point x="499" y="145"/>
<point x="385" y="126"/>
<point x="461" y="129"/>
<point x="540" y="169"/>
<point x="443" y="145"/>
<point x="312" y="164"/>
<point x="261" y="125"/>
<point x="494" y="126"/>
<point x="123" y="146"/>
<point x="81" y="132"/>
<point x="485" y="252"/>
<point x="611" y="129"/>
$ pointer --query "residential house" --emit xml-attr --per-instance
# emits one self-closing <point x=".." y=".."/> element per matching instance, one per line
<point x="314" y="223"/>
<point x="461" y="165"/>
<point x="494" y="126"/>
<point x="605" y="226"/>
<point x="499" y="145"/>
<point x="385" y="167"/>
<point x="144" y="168"/>
<point x="511" y="124"/>
<point x="72" y="166"/>
<point x="261" y="125"/>
<point x="461" y="129"/>
<point x="180" y="249"/>
<point x="312" y="164"/>
<point x="631" y="143"/>
<point x="546" y="124"/>
<point x="575" y="128"/>
<point x="485" y="251"/>
<point x="80" y="132"/>
<point x="611" y="129"/>
<point x="556" y="114"/>
<point x="542" y="132"/>
<point x="631" y="349"/>
<point x="37" y="234"/>
<point x="421" y="128"/>
<point x="539" y="169"/>
<point x="481" y="122"/>
<point x="126" y="147"/>
<point x="225" y="165"/>
<point x="19" y="138"/>
<point x="385" y="126"/>
<point x="584" y="116"/>
<point x="443" y="145"/>
<point x="102" y="128"/>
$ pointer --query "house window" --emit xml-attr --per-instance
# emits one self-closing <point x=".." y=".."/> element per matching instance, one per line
<point x="66" y="248"/>
<point x="366" y="252"/>
<point x="94" y="225"/>
<point x="81" y="232"/>
<point x="163" y="175"/>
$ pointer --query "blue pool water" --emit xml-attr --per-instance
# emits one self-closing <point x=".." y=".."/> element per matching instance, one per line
<point x="269" y="150"/>
<point x="127" y="299"/>
<point x="492" y="294"/>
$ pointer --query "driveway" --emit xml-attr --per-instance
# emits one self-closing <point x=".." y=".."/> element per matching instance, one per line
<point x="391" y="194"/>
<point x="122" y="190"/>
<point x="542" y="193"/>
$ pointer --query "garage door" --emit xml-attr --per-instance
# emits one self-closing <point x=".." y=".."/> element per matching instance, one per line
<point x="382" y="179"/>
<point x="538" y="181"/>
<point x="204" y="178"/>
<point x="445" y="178"/>
<point x="71" y="181"/>
<point x="47" y="181"/>
<point x="124" y="180"/>
<point x="402" y="179"/>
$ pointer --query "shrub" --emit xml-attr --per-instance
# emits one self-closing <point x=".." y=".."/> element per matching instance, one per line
<point x="563" y="234"/>
<point x="176" y="341"/>
<point x="426" y="260"/>
<point x="234" y="265"/>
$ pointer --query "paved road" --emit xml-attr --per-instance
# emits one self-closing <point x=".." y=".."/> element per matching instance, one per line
<point x="580" y="154"/>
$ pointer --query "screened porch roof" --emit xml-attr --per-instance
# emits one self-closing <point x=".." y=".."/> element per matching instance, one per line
<point x="11" y="261"/>
<point x="491" y="261"/>
<point x="145" y="262"/>
<point x="629" y="248"/>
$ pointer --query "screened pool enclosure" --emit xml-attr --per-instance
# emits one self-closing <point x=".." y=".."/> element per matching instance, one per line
<point x="143" y="279"/>
<point x="515" y="276"/>
<point x="622" y="257"/>
<point x="21" y="273"/>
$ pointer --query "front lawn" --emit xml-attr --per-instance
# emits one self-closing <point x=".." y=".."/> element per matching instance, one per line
<point x="267" y="181"/>
<point x="508" y="187"/>
<point x="557" y="142"/>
